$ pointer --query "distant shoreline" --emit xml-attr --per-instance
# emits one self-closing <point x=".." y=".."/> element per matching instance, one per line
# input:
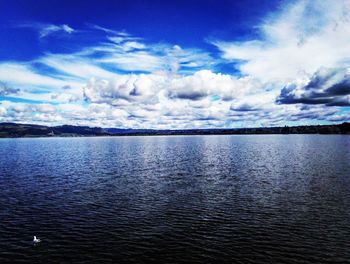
<point x="16" y="130"/>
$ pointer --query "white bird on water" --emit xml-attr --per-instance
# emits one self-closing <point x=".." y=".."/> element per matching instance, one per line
<point x="36" y="240"/>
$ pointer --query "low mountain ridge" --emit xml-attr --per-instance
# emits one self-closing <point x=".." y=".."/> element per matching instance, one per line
<point x="32" y="130"/>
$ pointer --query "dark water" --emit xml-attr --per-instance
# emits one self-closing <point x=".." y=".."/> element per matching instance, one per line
<point x="192" y="199"/>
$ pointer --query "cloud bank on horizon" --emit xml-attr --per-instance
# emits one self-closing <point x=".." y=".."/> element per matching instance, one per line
<point x="287" y="66"/>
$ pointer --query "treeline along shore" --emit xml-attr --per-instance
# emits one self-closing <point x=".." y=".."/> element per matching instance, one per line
<point x="29" y="130"/>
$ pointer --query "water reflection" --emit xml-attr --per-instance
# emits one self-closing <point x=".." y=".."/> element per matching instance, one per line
<point x="250" y="199"/>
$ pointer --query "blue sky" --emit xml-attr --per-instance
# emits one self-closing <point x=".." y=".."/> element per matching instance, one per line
<point x="175" y="64"/>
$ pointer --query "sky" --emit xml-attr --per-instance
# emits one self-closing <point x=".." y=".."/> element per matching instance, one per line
<point x="175" y="64"/>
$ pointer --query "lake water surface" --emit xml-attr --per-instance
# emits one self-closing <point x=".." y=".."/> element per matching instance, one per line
<point x="176" y="199"/>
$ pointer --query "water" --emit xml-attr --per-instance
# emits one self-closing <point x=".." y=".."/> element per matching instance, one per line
<point x="176" y="199"/>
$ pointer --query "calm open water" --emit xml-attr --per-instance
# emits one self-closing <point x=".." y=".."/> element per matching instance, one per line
<point x="176" y="199"/>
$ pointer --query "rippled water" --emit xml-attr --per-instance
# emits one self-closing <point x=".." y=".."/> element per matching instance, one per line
<point x="176" y="199"/>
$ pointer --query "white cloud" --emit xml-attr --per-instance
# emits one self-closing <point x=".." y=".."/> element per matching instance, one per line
<point x="23" y="74"/>
<point x="5" y="89"/>
<point x="255" y="102"/>
<point x="128" y="82"/>
<point x="107" y="30"/>
<point x="202" y="99"/>
<point x="49" y="29"/>
<point x="74" y="65"/>
<point x="305" y="36"/>
<point x="206" y="83"/>
<point x="134" y="61"/>
<point x="2" y="111"/>
<point x="144" y="87"/>
<point x="326" y="86"/>
<point x="45" y="30"/>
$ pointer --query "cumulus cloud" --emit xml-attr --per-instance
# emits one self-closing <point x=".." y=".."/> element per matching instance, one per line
<point x="204" y="99"/>
<point x="296" y="71"/>
<point x="30" y="108"/>
<point x="205" y="83"/>
<point x="254" y="102"/>
<point x="144" y="87"/>
<point x="327" y="86"/>
<point x="123" y="88"/>
<point x="159" y="100"/>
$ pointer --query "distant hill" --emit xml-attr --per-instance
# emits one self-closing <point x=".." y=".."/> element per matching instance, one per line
<point x="29" y="130"/>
